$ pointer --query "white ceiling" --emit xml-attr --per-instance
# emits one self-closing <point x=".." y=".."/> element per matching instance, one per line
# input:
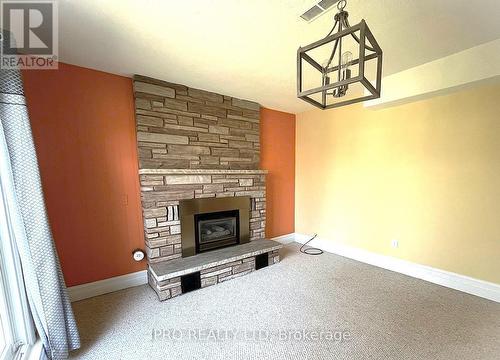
<point x="247" y="49"/>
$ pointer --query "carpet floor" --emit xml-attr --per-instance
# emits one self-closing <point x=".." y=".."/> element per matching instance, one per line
<point x="305" y="307"/>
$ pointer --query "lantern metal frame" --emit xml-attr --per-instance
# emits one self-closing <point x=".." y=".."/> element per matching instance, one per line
<point x="350" y="31"/>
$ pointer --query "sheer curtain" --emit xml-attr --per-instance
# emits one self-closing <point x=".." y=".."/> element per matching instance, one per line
<point x="20" y="180"/>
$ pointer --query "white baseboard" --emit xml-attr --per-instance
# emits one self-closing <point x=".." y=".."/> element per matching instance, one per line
<point x="105" y="286"/>
<point x="448" y="279"/>
<point x="285" y="239"/>
<point x="484" y="289"/>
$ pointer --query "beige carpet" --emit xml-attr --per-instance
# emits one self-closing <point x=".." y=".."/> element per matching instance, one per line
<point x="357" y="311"/>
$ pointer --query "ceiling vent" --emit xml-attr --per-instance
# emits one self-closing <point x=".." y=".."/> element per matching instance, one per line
<point x="318" y="9"/>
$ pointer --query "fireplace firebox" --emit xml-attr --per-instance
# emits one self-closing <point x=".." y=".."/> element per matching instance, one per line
<point x="217" y="230"/>
<point x="214" y="223"/>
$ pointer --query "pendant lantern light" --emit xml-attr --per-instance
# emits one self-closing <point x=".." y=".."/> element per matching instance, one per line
<point x="343" y="68"/>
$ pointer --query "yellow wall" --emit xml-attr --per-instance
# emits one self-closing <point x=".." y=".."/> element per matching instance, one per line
<point x="425" y="173"/>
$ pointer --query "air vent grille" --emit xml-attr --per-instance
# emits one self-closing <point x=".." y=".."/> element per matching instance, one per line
<point x="326" y="4"/>
<point x="311" y="13"/>
<point x="317" y="9"/>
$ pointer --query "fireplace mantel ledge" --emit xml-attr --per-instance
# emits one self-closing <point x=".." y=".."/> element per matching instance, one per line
<point x="198" y="171"/>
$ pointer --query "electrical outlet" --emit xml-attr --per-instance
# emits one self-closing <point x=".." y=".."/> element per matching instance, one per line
<point x="395" y="243"/>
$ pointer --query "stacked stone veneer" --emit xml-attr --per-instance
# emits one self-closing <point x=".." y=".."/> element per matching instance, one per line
<point x="184" y="128"/>
<point x="170" y="288"/>
<point x="193" y="144"/>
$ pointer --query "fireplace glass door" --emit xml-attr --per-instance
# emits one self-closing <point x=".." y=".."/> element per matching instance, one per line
<point x="216" y="230"/>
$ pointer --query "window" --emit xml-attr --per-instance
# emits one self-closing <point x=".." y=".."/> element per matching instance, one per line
<point x="3" y="335"/>
<point x="17" y="334"/>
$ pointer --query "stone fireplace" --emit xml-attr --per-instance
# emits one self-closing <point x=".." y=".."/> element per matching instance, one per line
<point x="197" y="150"/>
<point x="162" y="190"/>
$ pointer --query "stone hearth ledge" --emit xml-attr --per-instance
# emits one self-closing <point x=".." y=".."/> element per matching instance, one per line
<point x="198" y="172"/>
<point x="166" y="270"/>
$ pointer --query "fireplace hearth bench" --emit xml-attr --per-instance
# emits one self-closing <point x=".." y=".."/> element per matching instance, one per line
<point x="178" y="276"/>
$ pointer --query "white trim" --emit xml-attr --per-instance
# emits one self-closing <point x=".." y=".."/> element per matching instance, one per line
<point x="18" y="326"/>
<point x="484" y="289"/>
<point x="34" y="352"/>
<point x="448" y="279"/>
<point x="285" y="239"/>
<point x="105" y="286"/>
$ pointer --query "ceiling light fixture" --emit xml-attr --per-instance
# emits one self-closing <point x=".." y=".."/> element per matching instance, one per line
<point x="335" y="80"/>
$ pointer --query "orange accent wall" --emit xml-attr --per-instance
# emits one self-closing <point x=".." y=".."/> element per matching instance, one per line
<point x="84" y="130"/>
<point x="278" y="156"/>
